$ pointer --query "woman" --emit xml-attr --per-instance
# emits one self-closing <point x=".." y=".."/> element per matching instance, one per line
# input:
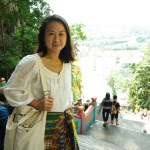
<point x="107" y="107"/>
<point x="24" y="86"/>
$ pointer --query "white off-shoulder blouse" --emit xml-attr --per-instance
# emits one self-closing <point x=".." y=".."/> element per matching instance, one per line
<point x="24" y="85"/>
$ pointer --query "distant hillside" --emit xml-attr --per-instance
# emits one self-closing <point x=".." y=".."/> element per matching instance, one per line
<point x="116" y="37"/>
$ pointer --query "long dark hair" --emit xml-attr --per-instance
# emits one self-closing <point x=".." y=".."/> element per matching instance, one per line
<point x="67" y="54"/>
<point x="107" y="97"/>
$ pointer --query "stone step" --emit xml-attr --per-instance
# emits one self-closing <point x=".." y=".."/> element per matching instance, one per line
<point x="89" y="143"/>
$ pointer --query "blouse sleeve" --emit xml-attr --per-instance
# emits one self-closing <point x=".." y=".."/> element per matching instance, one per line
<point x="18" y="88"/>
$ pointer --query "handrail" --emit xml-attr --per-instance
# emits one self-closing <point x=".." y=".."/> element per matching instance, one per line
<point x="90" y="108"/>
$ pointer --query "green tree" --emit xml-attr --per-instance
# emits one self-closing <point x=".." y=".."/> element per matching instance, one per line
<point x="141" y="39"/>
<point x="139" y="95"/>
<point x="77" y="34"/>
<point x="114" y="80"/>
<point x="76" y="81"/>
<point x="20" y="21"/>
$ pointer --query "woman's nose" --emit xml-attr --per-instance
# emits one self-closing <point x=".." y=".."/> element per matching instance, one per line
<point x="56" y="38"/>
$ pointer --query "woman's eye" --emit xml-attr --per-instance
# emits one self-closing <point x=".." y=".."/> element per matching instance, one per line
<point x="51" y="33"/>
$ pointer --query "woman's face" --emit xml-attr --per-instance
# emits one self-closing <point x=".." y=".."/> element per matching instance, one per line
<point x="55" y="37"/>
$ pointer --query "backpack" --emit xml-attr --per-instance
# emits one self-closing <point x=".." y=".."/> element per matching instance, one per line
<point x="114" y="110"/>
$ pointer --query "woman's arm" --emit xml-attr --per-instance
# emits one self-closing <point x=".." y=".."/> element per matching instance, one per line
<point x="34" y="104"/>
<point x="18" y="88"/>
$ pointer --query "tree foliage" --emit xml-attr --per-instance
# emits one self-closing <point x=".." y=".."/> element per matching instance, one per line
<point x="115" y="80"/>
<point x="77" y="33"/>
<point x="20" y="21"/>
<point x="136" y="84"/>
<point x="139" y="94"/>
<point x="76" y="82"/>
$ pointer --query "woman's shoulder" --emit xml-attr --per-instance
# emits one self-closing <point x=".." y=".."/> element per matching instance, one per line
<point x="67" y="66"/>
<point x="27" y="63"/>
<point x="28" y="60"/>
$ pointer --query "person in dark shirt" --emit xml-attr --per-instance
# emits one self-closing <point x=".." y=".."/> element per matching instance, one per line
<point x="107" y="107"/>
<point x="115" y="110"/>
<point x="4" y="113"/>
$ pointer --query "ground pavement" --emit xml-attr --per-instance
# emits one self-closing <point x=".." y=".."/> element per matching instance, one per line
<point x="128" y="135"/>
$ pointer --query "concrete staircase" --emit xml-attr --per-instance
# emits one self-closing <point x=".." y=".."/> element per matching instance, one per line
<point x="128" y="135"/>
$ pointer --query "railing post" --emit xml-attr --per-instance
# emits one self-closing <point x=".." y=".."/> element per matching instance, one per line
<point x="95" y="106"/>
<point x="82" y="114"/>
<point x="2" y="82"/>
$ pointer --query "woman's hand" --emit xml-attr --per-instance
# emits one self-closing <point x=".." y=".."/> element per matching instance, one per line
<point x="45" y="104"/>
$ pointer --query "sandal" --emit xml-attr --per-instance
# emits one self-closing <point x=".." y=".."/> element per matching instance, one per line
<point x="104" y="124"/>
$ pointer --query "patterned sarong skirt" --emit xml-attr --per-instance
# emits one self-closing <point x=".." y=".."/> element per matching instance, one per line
<point x="60" y="132"/>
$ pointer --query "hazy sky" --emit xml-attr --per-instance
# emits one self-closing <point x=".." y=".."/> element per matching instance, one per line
<point x="103" y="11"/>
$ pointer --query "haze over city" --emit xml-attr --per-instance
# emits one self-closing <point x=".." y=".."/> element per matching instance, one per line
<point x="122" y="12"/>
